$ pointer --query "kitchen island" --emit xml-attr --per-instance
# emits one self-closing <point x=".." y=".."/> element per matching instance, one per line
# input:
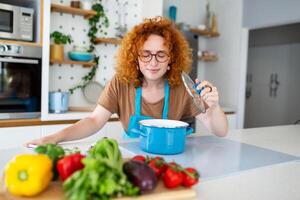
<point x="257" y="163"/>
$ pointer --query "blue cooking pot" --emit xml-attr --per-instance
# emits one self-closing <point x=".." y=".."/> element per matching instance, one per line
<point x="162" y="136"/>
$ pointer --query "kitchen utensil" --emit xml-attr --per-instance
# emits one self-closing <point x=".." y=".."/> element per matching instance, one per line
<point x="193" y="92"/>
<point x="58" y="102"/>
<point x="80" y="56"/>
<point x="92" y="91"/>
<point x="163" y="136"/>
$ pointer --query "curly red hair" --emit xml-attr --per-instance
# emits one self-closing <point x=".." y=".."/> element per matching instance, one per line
<point x="127" y="57"/>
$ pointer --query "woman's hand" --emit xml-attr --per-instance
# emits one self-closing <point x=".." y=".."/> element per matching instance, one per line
<point x="209" y="94"/>
<point x="40" y="141"/>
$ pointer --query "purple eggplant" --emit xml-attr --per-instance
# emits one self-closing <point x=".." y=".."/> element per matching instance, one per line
<point x="140" y="175"/>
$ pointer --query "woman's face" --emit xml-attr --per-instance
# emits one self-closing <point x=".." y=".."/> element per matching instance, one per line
<point x="154" y="58"/>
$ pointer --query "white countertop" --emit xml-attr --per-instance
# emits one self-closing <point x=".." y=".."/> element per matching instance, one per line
<point x="246" y="175"/>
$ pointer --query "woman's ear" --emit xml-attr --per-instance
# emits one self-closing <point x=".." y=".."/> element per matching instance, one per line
<point x="168" y="68"/>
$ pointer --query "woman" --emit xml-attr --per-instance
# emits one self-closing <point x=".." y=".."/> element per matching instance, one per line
<point x="148" y="84"/>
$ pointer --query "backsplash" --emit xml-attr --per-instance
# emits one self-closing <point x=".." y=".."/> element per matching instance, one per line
<point x="64" y="76"/>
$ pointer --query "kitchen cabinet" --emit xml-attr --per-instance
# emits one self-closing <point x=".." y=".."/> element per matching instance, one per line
<point x="231" y="119"/>
<point x="17" y="136"/>
<point x="110" y="129"/>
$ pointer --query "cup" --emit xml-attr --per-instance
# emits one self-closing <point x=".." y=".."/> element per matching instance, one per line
<point x="58" y="102"/>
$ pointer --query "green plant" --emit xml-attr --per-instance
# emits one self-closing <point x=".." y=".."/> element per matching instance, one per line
<point x="94" y="21"/>
<point x="60" y="38"/>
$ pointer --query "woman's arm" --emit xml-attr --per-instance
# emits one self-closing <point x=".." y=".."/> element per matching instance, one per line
<point x="214" y="118"/>
<point x="80" y="129"/>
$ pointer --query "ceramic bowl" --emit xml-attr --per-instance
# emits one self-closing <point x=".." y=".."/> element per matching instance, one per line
<point x="80" y="56"/>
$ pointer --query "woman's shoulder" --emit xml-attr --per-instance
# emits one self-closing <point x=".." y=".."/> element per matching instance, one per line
<point x="119" y="84"/>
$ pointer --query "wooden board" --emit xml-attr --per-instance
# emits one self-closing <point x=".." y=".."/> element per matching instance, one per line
<point x="55" y="192"/>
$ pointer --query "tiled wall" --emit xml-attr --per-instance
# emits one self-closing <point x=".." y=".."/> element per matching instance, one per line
<point x="63" y="77"/>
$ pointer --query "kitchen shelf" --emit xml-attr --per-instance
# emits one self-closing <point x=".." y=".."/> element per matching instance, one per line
<point x="21" y="43"/>
<point x="72" y="62"/>
<point x="208" y="58"/>
<point x="73" y="11"/>
<point x="206" y="33"/>
<point x="108" y="40"/>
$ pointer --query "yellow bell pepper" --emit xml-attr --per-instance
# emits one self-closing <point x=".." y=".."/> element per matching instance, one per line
<point x="28" y="174"/>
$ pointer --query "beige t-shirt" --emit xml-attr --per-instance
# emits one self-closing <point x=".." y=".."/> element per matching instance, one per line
<point x="119" y="97"/>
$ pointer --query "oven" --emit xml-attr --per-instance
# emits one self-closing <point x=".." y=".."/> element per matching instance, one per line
<point x="16" y="23"/>
<point x="20" y="81"/>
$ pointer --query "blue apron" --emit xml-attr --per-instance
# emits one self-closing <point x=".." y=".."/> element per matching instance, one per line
<point x="134" y="119"/>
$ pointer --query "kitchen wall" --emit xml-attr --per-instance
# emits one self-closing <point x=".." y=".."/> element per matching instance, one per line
<point x="266" y="13"/>
<point x="273" y="51"/>
<point x="191" y="12"/>
<point x="129" y="13"/>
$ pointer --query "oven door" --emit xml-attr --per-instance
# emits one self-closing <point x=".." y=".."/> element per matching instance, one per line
<point x="9" y="20"/>
<point x="20" y="88"/>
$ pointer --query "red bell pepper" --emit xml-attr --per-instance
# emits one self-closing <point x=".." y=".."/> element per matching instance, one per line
<point x="69" y="164"/>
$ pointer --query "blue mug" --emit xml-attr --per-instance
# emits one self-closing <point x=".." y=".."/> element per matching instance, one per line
<point x="58" y="102"/>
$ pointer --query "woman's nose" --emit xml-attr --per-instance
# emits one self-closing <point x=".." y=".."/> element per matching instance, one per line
<point x="153" y="61"/>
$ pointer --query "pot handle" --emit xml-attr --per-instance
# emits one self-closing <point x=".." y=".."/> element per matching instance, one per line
<point x="189" y="130"/>
<point x="135" y="133"/>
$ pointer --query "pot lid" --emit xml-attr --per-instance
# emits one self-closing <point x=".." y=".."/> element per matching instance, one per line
<point x="191" y="86"/>
<point x="163" y="123"/>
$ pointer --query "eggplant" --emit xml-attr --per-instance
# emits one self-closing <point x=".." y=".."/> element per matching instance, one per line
<point x="140" y="175"/>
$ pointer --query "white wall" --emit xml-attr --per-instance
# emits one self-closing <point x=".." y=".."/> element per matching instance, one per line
<point x="225" y="73"/>
<point x="189" y="11"/>
<point x="266" y="13"/>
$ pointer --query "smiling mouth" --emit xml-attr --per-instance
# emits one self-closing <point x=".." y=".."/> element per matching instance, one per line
<point x="153" y="70"/>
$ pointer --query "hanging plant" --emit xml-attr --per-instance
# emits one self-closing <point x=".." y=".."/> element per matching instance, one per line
<point x="96" y="22"/>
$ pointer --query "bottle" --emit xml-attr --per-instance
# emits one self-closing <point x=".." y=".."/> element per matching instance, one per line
<point x="214" y="25"/>
<point x="208" y="16"/>
<point x="172" y="13"/>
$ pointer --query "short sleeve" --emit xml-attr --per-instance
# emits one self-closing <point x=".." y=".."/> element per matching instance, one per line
<point x="109" y="97"/>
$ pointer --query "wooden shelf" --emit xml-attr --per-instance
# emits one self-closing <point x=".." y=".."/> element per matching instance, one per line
<point x="73" y="11"/>
<point x="73" y="62"/>
<point x="108" y="40"/>
<point x="21" y="43"/>
<point x="208" y="58"/>
<point x="204" y="32"/>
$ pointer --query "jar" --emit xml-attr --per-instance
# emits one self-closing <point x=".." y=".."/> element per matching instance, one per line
<point x="75" y="4"/>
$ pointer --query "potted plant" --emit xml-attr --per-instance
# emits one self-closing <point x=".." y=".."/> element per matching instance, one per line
<point x="57" y="49"/>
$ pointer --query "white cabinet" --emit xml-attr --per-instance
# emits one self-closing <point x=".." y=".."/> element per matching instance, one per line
<point x="18" y="136"/>
<point x="114" y="130"/>
<point x="111" y="130"/>
<point x="231" y="118"/>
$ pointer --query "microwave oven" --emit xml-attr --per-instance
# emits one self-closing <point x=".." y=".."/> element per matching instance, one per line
<point x="16" y="23"/>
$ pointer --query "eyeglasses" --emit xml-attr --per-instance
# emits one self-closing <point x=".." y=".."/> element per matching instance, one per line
<point x="160" y="56"/>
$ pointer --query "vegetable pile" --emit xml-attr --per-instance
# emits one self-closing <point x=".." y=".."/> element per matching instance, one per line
<point x="101" y="174"/>
<point x="172" y="174"/>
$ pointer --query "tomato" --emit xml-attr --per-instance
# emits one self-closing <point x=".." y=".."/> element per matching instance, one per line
<point x="158" y="165"/>
<point x="190" y="177"/>
<point x="139" y="157"/>
<point x="172" y="177"/>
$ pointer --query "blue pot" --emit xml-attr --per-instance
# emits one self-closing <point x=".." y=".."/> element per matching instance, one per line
<point x="161" y="136"/>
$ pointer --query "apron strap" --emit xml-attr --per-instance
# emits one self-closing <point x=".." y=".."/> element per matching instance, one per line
<point x="166" y="102"/>
<point x="138" y="103"/>
<point x="138" y="97"/>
